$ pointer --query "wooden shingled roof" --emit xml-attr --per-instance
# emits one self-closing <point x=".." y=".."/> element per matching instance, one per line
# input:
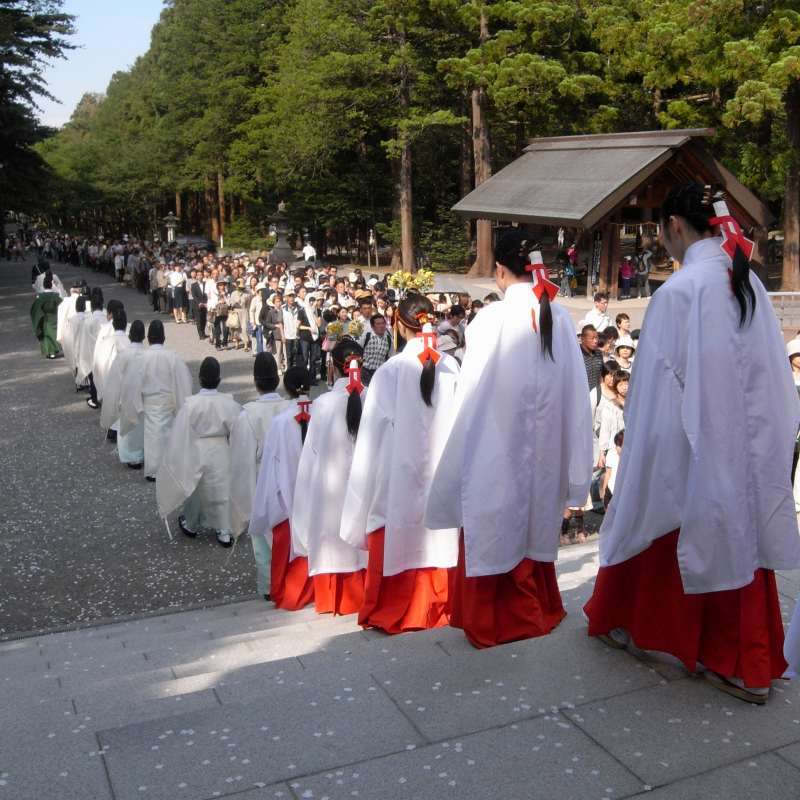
<point x="579" y="181"/>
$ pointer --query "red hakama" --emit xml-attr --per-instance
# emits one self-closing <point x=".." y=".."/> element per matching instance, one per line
<point x="736" y="633"/>
<point x="413" y="600"/>
<point x="495" y="609"/>
<point x="291" y="588"/>
<point x="339" y="592"/>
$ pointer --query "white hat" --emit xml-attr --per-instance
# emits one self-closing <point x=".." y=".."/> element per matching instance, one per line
<point x="793" y="347"/>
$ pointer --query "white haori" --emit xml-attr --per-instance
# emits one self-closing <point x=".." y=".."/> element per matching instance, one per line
<point x="195" y="466"/>
<point x="86" y="342"/>
<point x="321" y="485"/>
<point x="273" y="499"/>
<point x="399" y="445"/>
<point x="710" y="422"/>
<point x="71" y="336"/>
<point x="38" y="285"/>
<point x="105" y="353"/>
<point x="520" y="449"/>
<point x="247" y="439"/>
<point x="66" y="309"/>
<point x="155" y="387"/>
<point x="791" y="646"/>
<point x="112" y="399"/>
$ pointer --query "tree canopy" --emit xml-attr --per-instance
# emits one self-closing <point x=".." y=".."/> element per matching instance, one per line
<point x="30" y="32"/>
<point x="380" y="114"/>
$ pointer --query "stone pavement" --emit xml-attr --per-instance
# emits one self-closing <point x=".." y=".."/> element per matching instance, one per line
<point x="247" y="702"/>
<point x="81" y="540"/>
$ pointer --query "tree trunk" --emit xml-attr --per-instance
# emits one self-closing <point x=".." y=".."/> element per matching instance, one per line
<point x="404" y="185"/>
<point x="178" y="205"/>
<point x="406" y="210"/>
<point x="790" y="277"/>
<point x="465" y="186"/>
<point x="397" y="256"/>
<point x="221" y="196"/>
<point x="212" y="211"/>
<point x="482" y="152"/>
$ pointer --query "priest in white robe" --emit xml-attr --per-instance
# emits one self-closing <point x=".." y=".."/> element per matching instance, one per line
<point x="86" y="343"/>
<point x="404" y="427"/>
<point x="247" y="439"/>
<point x="66" y="310"/>
<point x="130" y="446"/>
<point x="336" y="567"/>
<point x="71" y="336"/>
<point x="285" y="571"/>
<point x="154" y="390"/>
<point x="519" y="453"/>
<point x="703" y="509"/>
<point x="194" y="473"/>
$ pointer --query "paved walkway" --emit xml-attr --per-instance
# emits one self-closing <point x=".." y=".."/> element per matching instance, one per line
<point x="81" y="539"/>
<point x="247" y="702"/>
<point x="243" y="701"/>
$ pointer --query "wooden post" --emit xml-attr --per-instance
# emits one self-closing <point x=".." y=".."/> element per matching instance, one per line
<point x="615" y="248"/>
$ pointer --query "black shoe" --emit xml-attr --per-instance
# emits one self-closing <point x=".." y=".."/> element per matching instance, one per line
<point x="150" y="478"/>
<point x="268" y="597"/>
<point x="184" y="529"/>
<point x="92" y="403"/>
<point x="135" y="466"/>
<point x="111" y="435"/>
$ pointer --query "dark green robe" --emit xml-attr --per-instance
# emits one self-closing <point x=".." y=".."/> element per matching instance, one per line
<point x="44" y="316"/>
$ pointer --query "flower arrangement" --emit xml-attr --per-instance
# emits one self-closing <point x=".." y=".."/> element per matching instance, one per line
<point x="355" y="329"/>
<point x="420" y="281"/>
<point x="334" y="331"/>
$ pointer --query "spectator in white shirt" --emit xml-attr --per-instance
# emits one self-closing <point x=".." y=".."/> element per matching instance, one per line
<point x="598" y="316"/>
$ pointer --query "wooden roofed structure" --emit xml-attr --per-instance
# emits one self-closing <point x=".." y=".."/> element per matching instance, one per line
<point x="598" y="183"/>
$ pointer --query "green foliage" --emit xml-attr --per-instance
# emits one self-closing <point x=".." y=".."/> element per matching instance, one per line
<point x="445" y="242"/>
<point x="30" y="32"/>
<point x="313" y="101"/>
<point x="243" y="234"/>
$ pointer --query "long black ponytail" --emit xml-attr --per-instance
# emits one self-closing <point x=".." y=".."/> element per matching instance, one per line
<point x="296" y="381"/>
<point x="694" y="202"/>
<point x="413" y="311"/>
<point x="344" y="352"/>
<point x="512" y="251"/>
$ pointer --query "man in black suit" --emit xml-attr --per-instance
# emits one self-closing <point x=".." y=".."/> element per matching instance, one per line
<point x="200" y="301"/>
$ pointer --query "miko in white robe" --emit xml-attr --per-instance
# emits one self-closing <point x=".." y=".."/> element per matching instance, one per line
<point x="194" y="474"/>
<point x="336" y="567"/>
<point x="66" y="310"/>
<point x="87" y="339"/>
<point x="130" y="446"/>
<point x="154" y="389"/>
<point x="400" y="442"/>
<point x="519" y="453"/>
<point x="290" y="587"/>
<point x="71" y="337"/>
<point x="111" y="340"/>
<point x="703" y="509"/>
<point x="247" y="438"/>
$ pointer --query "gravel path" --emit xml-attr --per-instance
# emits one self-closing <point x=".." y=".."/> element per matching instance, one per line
<point x="81" y="539"/>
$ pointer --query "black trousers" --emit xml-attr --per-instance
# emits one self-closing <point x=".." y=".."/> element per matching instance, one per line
<point x="293" y="354"/>
<point x="200" y="315"/>
<point x="221" y="331"/>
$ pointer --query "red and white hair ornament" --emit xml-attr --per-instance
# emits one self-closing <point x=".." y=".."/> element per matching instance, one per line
<point x="303" y="403"/>
<point x="429" y="351"/>
<point x="541" y="277"/>
<point x="354" y="373"/>
<point x="541" y="282"/>
<point x="731" y="231"/>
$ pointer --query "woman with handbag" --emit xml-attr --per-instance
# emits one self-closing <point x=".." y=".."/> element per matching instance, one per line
<point x="235" y="312"/>
<point x="220" y="309"/>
